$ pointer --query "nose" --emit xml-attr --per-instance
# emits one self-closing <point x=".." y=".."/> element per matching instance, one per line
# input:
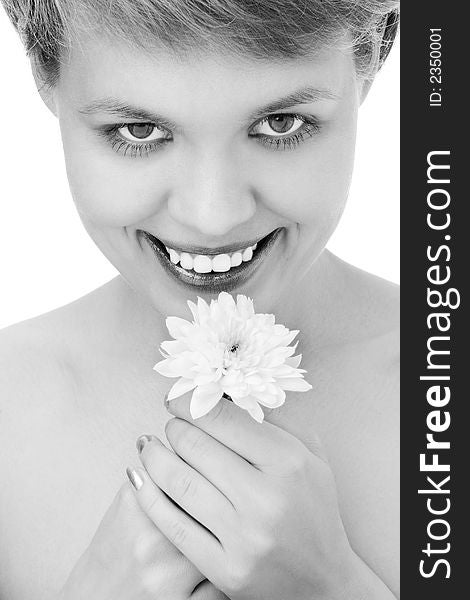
<point x="213" y="195"/>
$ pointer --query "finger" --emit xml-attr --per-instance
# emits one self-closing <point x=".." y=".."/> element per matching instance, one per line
<point x="194" y="541"/>
<point x="207" y="591"/>
<point x="226" y="470"/>
<point x="262" y="444"/>
<point x="188" y="488"/>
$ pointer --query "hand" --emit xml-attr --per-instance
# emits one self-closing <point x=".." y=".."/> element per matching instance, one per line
<point x="129" y="559"/>
<point x="254" y="510"/>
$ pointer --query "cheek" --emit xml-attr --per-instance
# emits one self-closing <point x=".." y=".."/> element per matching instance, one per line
<point x="310" y="186"/>
<point x="109" y="189"/>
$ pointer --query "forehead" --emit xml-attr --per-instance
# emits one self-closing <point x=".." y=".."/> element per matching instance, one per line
<point x="97" y="69"/>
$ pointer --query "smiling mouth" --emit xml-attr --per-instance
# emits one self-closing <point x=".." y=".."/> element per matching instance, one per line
<point x="213" y="270"/>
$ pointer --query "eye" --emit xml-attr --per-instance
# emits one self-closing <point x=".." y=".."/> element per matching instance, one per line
<point x="141" y="132"/>
<point x="285" y="131"/>
<point x="279" y="125"/>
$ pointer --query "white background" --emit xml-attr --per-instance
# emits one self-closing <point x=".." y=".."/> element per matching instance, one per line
<point x="46" y="257"/>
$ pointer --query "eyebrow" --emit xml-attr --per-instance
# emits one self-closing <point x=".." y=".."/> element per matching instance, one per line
<point x="116" y="108"/>
<point x="304" y="95"/>
<point x="113" y="106"/>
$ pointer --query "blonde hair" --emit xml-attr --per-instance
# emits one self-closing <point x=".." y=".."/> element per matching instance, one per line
<point x="261" y="29"/>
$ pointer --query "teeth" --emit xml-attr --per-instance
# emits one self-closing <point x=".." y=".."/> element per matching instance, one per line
<point x="204" y="263"/>
<point x="247" y="254"/>
<point x="236" y="259"/>
<point x="174" y="256"/>
<point x="221" y="263"/>
<point x="186" y="261"/>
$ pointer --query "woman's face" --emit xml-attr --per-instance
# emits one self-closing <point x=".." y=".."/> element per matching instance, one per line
<point x="240" y="167"/>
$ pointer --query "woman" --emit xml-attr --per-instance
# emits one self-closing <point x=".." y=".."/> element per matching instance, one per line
<point x="196" y="135"/>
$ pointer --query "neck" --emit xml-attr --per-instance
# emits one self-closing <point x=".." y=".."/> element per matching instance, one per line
<point x="317" y="306"/>
<point x="139" y="325"/>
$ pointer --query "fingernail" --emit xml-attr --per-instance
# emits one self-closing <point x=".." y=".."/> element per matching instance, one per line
<point x="142" y="441"/>
<point x="166" y="402"/>
<point x="135" y="478"/>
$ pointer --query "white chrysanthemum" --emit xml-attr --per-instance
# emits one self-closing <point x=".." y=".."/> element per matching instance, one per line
<point x="228" y="349"/>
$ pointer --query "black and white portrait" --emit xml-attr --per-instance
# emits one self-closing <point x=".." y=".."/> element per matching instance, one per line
<point x="199" y="313"/>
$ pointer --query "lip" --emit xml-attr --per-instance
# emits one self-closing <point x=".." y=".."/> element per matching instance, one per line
<point x="212" y="282"/>
<point x="211" y="251"/>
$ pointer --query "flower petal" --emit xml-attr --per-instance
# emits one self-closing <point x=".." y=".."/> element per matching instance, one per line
<point x="294" y="385"/>
<point x="250" y="404"/>
<point x="289" y="337"/>
<point x="164" y="367"/>
<point x="205" y="378"/>
<point x="204" y="398"/>
<point x="285" y="371"/>
<point x="278" y="356"/>
<point x="245" y="306"/>
<point x="270" y="400"/>
<point x="194" y="311"/>
<point x="181" y="387"/>
<point x="226" y="302"/>
<point x="203" y="309"/>
<point x="256" y="412"/>
<point x="177" y="327"/>
<point x="293" y="361"/>
<point x="173" y="347"/>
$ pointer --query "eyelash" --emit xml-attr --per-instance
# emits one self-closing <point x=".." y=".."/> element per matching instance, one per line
<point x="310" y="127"/>
<point x="127" y="148"/>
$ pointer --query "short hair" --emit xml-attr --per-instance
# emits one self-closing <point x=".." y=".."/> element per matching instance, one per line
<point x="262" y="29"/>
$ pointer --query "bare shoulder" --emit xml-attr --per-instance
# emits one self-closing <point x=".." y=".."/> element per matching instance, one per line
<point x="38" y="367"/>
<point x="43" y="428"/>
<point x="28" y="364"/>
<point x="33" y="383"/>
<point x="32" y="358"/>
<point x="374" y="364"/>
<point x="374" y="302"/>
<point x="36" y="385"/>
<point x="359" y="412"/>
<point x="37" y="355"/>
